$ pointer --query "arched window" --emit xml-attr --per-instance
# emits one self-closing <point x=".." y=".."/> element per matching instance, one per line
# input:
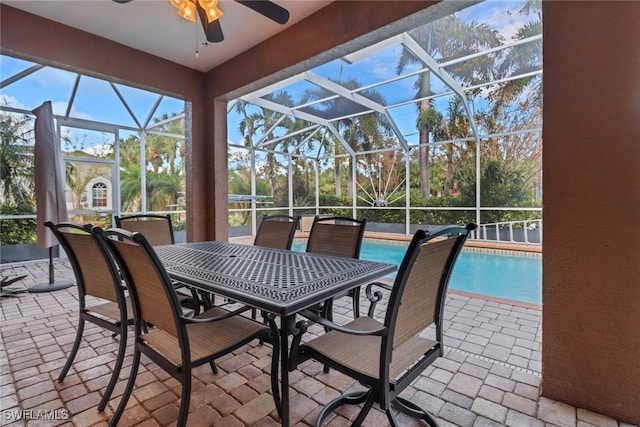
<point x="99" y="195"/>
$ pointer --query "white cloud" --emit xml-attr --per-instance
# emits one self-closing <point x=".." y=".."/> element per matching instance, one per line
<point x="60" y="109"/>
<point x="10" y="101"/>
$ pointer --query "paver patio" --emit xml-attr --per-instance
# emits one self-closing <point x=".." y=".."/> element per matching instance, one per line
<point x="490" y="374"/>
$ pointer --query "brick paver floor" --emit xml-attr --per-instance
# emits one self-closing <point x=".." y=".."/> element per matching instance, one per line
<point x="489" y="376"/>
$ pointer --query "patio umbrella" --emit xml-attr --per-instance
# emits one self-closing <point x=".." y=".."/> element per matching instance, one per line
<point x="50" y="199"/>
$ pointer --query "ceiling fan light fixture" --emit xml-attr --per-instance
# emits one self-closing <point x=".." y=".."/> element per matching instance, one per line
<point x="211" y="9"/>
<point x="213" y="13"/>
<point x="187" y="10"/>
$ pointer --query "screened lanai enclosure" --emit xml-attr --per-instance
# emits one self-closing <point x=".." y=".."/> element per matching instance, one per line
<point x="123" y="151"/>
<point x="438" y="125"/>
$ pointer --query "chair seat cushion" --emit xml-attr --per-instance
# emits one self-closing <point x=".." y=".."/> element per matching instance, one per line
<point x="111" y="310"/>
<point x="338" y="346"/>
<point x="206" y="339"/>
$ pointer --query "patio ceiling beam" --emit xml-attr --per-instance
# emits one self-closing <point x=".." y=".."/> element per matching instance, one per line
<point x="271" y="129"/>
<point x="126" y="105"/>
<point x="272" y="88"/>
<point x="72" y="98"/>
<point x="373" y="49"/>
<point x="492" y="50"/>
<point x="270" y="105"/>
<point x="274" y="106"/>
<point x="152" y="112"/>
<point x="340" y="138"/>
<point x="289" y="135"/>
<point x="307" y="138"/>
<point x="421" y="54"/>
<point x="20" y="75"/>
<point x="358" y="99"/>
<point x="165" y="121"/>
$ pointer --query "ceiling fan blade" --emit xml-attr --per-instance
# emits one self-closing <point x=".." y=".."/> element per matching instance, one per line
<point x="122" y="1"/>
<point x="213" y="30"/>
<point x="269" y="9"/>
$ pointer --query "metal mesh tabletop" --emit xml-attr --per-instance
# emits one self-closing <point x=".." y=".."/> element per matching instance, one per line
<point x="276" y="280"/>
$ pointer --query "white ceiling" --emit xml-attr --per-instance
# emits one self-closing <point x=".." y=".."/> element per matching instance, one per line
<point x="153" y="26"/>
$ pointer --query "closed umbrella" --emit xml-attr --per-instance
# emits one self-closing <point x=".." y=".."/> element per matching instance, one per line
<point x="50" y="200"/>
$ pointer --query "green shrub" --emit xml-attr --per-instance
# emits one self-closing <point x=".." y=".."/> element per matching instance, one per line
<point x="17" y="231"/>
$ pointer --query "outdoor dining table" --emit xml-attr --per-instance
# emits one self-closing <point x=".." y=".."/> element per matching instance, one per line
<point x="280" y="282"/>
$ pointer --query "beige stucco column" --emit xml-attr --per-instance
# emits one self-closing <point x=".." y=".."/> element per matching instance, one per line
<point x="591" y="263"/>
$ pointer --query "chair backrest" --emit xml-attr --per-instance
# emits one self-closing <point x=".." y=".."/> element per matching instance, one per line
<point x="419" y="291"/>
<point x="95" y="275"/>
<point x="276" y="231"/>
<point x="335" y="235"/>
<point x="150" y="289"/>
<point x="158" y="229"/>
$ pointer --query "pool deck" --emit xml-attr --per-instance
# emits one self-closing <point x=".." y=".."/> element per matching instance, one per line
<point x="489" y="376"/>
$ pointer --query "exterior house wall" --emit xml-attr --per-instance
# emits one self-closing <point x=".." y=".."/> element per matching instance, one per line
<point x="591" y="254"/>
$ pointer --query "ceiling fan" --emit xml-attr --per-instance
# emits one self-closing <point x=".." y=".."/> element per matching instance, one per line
<point x="209" y="13"/>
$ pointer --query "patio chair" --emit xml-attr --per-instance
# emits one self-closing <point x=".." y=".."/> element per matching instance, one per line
<point x="276" y="231"/>
<point x="177" y="343"/>
<point x="97" y="276"/>
<point x="386" y="356"/>
<point x="158" y="229"/>
<point x="338" y="236"/>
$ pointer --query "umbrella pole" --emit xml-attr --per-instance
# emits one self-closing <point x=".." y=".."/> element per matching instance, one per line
<point x="52" y="285"/>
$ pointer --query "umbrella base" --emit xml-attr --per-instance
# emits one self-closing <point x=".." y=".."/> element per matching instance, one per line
<point x="48" y="287"/>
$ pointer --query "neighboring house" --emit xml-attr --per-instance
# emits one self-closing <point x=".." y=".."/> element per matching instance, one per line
<point x="97" y="194"/>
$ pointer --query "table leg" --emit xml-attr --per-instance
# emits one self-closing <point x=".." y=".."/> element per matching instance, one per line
<point x="284" y="369"/>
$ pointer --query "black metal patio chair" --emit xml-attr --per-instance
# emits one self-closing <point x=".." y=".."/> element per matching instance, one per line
<point x="97" y="276"/>
<point x="338" y="236"/>
<point x="158" y="229"/>
<point x="276" y="231"/>
<point x="176" y="343"/>
<point x="386" y="356"/>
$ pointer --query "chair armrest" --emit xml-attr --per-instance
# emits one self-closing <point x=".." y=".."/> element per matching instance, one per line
<point x="201" y="319"/>
<point x="301" y="328"/>
<point x="334" y="326"/>
<point x="375" y="297"/>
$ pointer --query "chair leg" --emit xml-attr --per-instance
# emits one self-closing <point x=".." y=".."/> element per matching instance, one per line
<point x="186" y="396"/>
<point x="74" y="351"/>
<point x="414" y="411"/>
<point x="214" y="367"/>
<point x="116" y="368"/>
<point x="354" y="398"/>
<point x="128" y="389"/>
<point x="365" y="409"/>
<point x="355" y="295"/>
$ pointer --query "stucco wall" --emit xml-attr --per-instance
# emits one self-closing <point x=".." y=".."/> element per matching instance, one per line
<point x="591" y="262"/>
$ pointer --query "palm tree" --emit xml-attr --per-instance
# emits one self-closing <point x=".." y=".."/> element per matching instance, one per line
<point x="444" y="39"/>
<point x="16" y="161"/>
<point x="260" y="122"/>
<point x="163" y="189"/>
<point x="521" y="59"/>
<point x="130" y="190"/>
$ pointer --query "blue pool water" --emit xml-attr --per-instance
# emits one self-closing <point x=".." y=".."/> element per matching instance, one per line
<point x="498" y="275"/>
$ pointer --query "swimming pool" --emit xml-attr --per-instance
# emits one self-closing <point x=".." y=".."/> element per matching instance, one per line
<point x="514" y="277"/>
